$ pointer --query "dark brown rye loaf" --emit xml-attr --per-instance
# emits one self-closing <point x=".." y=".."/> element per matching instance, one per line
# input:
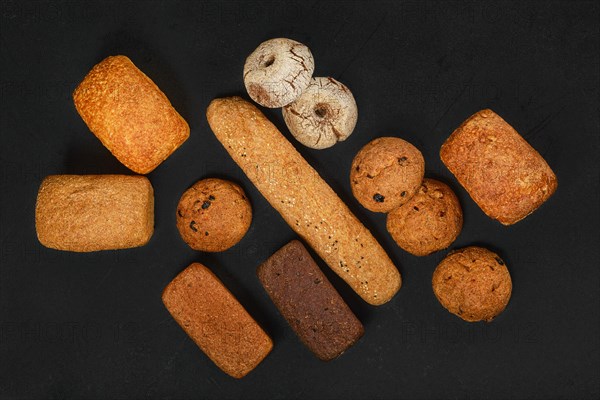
<point x="308" y="301"/>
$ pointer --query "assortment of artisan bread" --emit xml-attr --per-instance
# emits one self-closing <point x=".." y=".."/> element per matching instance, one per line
<point x="130" y="115"/>
<point x="305" y="201"/>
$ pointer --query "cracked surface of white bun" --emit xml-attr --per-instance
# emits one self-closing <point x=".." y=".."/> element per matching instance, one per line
<point x="278" y="71"/>
<point x="325" y="113"/>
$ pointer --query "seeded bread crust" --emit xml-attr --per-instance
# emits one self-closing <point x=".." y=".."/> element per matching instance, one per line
<point x="84" y="213"/>
<point x="505" y="176"/>
<point x="214" y="319"/>
<point x="129" y="114"/>
<point x="213" y="215"/>
<point x="308" y="302"/>
<point x="473" y="283"/>
<point x="304" y="200"/>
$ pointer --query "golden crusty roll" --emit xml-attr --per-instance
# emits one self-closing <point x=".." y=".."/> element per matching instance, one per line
<point x="129" y="114"/>
<point x="503" y="174"/>
<point x="304" y="200"/>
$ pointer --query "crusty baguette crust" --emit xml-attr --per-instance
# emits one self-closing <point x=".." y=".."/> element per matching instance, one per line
<point x="85" y="213"/>
<point x="303" y="198"/>
<point x="129" y="114"/>
<point x="214" y="319"/>
<point x="503" y="174"/>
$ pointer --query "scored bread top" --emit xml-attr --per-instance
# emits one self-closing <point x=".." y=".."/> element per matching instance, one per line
<point x="130" y="115"/>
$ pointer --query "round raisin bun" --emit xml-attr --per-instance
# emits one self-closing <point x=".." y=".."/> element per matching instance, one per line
<point x="386" y="173"/>
<point x="213" y="215"/>
<point x="430" y="221"/>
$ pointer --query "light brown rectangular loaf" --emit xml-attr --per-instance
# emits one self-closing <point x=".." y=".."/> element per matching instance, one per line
<point x="94" y="212"/>
<point x="129" y="114"/>
<point x="304" y="200"/>
<point x="503" y="174"/>
<point x="216" y="321"/>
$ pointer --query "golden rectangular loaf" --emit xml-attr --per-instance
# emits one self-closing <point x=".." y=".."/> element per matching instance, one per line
<point x="94" y="212"/>
<point x="503" y="174"/>
<point x="216" y="321"/>
<point x="129" y="114"/>
<point x="304" y="200"/>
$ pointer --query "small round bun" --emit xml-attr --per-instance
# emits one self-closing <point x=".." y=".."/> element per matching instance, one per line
<point x="278" y="71"/>
<point x="324" y="114"/>
<point x="430" y="221"/>
<point x="213" y="215"/>
<point x="472" y="283"/>
<point x="386" y="173"/>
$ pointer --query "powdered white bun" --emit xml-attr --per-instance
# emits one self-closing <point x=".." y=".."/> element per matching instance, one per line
<point x="323" y="115"/>
<point x="278" y="71"/>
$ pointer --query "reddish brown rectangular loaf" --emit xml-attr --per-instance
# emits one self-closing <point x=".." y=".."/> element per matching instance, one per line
<point x="94" y="212"/>
<point x="503" y="174"/>
<point x="130" y="115"/>
<point x="308" y="301"/>
<point x="216" y="321"/>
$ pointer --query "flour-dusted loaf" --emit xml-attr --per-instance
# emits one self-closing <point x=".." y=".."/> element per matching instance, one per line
<point x="304" y="200"/>
<point x="94" y="212"/>
<point x="214" y="319"/>
<point x="503" y="174"/>
<point x="129" y="114"/>
<point x="308" y="301"/>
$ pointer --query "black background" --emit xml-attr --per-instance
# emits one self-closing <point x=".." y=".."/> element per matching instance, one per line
<point x="93" y="325"/>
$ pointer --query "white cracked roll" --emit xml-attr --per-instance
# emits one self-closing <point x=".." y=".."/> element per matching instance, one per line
<point x="323" y="115"/>
<point x="278" y="71"/>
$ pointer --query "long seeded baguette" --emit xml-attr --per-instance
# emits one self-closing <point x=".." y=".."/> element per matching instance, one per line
<point x="304" y="199"/>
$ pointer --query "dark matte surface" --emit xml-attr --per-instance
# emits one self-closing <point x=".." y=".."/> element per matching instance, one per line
<point x="93" y="325"/>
